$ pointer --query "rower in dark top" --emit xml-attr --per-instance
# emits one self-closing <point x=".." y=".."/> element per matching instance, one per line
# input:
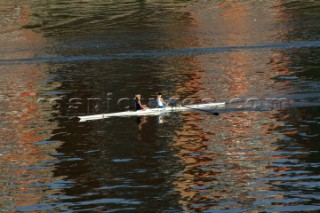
<point x="138" y="104"/>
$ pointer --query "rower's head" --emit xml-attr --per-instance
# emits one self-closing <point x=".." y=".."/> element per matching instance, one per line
<point x="159" y="94"/>
<point x="138" y="97"/>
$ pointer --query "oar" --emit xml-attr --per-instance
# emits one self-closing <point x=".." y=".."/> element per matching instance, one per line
<point x="213" y="113"/>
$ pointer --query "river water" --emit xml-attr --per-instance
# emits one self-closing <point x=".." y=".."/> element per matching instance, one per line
<point x="60" y="59"/>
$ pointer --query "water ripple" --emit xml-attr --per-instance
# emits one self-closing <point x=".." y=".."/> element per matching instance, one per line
<point x="156" y="53"/>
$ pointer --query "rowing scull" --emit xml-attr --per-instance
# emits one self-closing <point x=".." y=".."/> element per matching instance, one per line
<point x="155" y="111"/>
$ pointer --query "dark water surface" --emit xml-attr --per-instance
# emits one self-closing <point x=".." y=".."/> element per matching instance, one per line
<point x="60" y="59"/>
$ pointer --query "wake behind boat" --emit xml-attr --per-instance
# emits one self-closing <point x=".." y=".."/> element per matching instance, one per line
<point x="208" y="107"/>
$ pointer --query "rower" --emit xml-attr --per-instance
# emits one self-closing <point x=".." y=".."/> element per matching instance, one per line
<point x="138" y="104"/>
<point x="160" y="102"/>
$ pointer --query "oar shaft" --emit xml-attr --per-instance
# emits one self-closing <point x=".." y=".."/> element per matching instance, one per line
<point x="214" y="113"/>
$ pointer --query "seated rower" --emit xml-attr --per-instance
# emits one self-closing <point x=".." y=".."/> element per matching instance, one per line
<point x="160" y="102"/>
<point x="138" y="104"/>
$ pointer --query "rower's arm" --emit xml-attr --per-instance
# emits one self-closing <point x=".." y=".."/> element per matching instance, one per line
<point x="164" y="102"/>
<point x="140" y="104"/>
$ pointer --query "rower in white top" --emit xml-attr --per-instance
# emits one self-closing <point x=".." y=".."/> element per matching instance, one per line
<point x="160" y="102"/>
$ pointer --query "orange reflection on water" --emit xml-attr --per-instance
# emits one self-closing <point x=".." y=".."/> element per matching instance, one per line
<point x="226" y="158"/>
<point x="22" y="124"/>
<point x="223" y="162"/>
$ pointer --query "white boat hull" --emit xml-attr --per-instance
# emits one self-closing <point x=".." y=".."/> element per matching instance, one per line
<point x="155" y="111"/>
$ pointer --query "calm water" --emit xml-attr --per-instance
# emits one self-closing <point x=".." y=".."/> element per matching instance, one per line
<point x="60" y="59"/>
